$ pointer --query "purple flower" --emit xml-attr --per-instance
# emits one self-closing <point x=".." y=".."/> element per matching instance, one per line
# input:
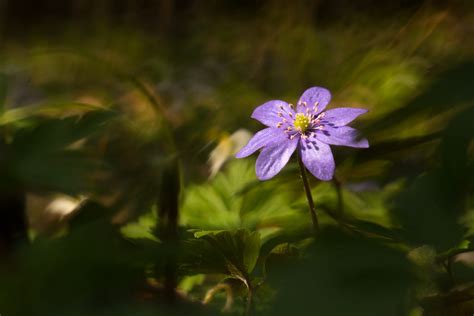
<point x="308" y="129"/>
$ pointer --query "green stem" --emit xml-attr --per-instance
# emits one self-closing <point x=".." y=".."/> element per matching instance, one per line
<point x="309" y="197"/>
<point x="249" y="306"/>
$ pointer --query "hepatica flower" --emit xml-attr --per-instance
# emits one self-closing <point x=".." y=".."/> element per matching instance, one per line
<point x="306" y="128"/>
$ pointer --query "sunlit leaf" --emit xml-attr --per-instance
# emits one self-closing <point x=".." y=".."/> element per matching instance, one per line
<point x="234" y="253"/>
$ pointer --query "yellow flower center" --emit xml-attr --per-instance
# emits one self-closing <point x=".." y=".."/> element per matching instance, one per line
<point x="301" y="122"/>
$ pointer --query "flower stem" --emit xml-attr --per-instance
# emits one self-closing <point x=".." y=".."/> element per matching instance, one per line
<point x="309" y="197"/>
<point x="249" y="305"/>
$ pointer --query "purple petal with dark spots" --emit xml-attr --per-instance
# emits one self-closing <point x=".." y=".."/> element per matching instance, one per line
<point x="260" y="139"/>
<point x="343" y="116"/>
<point x="311" y="96"/>
<point x="274" y="157"/>
<point x="267" y="113"/>
<point x="343" y="136"/>
<point x="318" y="158"/>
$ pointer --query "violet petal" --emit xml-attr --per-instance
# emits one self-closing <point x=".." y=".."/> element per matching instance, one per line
<point x="342" y="136"/>
<point x="312" y="95"/>
<point x="259" y="140"/>
<point x="318" y="158"/>
<point x="267" y="113"/>
<point x="343" y="116"/>
<point x="274" y="157"/>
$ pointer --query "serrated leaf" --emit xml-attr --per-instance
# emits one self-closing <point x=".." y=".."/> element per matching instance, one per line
<point x="240" y="249"/>
<point x="234" y="253"/>
<point x="229" y="203"/>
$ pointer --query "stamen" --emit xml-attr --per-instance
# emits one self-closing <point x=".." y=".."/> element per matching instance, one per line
<point x="302" y="122"/>
<point x="280" y="114"/>
<point x="279" y="124"/>
<point x="284" y="111"/>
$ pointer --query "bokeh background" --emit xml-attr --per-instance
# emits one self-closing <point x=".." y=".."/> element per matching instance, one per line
<point x="119" y="193"/>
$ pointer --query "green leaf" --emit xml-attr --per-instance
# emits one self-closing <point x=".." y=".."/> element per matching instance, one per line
<point x="251" y="250"/>
<point x="230" y="202"/>
<point x="202" y="233"/>
<point x="142" y="228"/>
<point x="234" y="253"/>
<point x="240" y="249"/>
<point x="188" y="283"/>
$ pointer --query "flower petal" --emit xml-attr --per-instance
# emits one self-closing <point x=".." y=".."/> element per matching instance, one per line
<point x="267" y="113"/>
<point x="274" y="157"/>
<point x="318" y="158"/>
<point x="343" y="136"/>
<point x="259" y="140"/>
<point x="312" y="95"/>
<point x="342" y="116"/>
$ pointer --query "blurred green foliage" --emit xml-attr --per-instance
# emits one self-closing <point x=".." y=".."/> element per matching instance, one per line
<point x="118" y="105"/>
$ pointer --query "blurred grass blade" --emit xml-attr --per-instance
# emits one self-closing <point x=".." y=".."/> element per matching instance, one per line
<point x="3" y="91"/>
<point x="449" y="90"/>
<point x="47" y="110"/>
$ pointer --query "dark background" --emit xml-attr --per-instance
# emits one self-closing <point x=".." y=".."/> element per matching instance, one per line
<point x="119" y="193"/>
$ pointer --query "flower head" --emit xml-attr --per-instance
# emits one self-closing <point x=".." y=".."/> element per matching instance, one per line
<point x="306" y="128"/>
